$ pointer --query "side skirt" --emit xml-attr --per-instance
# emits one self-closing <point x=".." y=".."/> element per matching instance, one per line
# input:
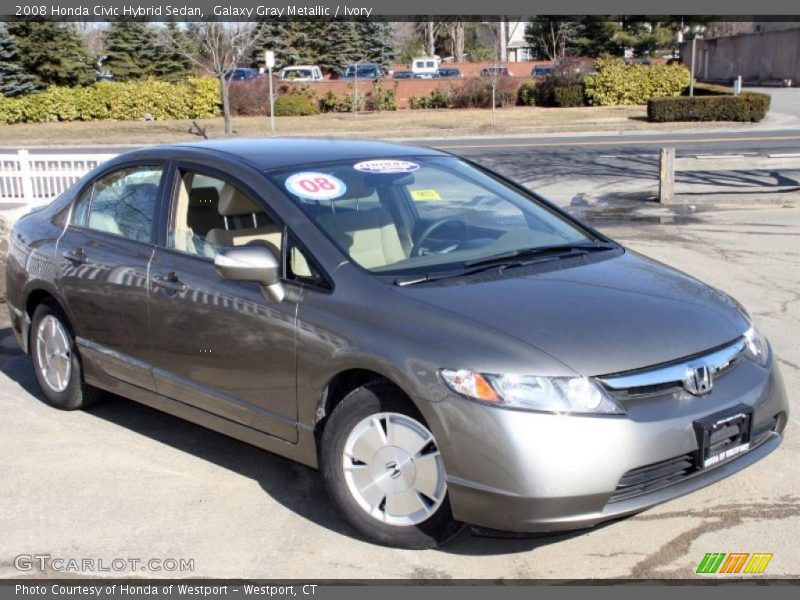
<point x="304" y="451"/>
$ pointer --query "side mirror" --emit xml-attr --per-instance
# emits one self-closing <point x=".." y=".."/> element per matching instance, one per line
<point x="252" y="263"/>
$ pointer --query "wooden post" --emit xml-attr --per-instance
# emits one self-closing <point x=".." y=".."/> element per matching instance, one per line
<point x="666" y="176"/>
<point x="26" y="176"/>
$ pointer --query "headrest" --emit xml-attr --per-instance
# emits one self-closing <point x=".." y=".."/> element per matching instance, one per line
<point x="203" y="196"/>
<point x="233" y="202"/>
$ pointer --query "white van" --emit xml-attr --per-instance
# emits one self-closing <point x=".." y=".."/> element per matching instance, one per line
<point x="301" y="73"/>
<point x="425" y="64"/>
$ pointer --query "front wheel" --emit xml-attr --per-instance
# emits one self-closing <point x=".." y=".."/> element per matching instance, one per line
<point x="55" y="361"/>
<point x="383" y="470"/>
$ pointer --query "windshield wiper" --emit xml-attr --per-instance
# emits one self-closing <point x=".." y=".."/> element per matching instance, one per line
<point x="509" y="259"/>
<point x="560" y="250"/>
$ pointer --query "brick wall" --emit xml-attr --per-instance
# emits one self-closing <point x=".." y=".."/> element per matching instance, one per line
<point x="406" y="88"/>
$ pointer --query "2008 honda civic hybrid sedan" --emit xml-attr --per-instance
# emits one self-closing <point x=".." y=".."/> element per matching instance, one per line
<point x="444" y="345"/>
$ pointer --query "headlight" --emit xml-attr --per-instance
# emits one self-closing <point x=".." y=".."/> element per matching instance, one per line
<point x="546" y="394"/>
<point x="757" y="346"/>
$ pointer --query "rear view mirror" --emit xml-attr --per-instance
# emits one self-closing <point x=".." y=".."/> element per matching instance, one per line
<point x="252" y="263"/>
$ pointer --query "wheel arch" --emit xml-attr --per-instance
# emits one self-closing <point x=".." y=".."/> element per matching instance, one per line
<point x="34" y="295"/>
<point x="343" y="383"/>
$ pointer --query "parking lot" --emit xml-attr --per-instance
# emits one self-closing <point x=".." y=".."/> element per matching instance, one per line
<point x="124" y="481"/>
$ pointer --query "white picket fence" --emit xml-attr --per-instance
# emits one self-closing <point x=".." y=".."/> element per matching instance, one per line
<point x="37" y="178"/>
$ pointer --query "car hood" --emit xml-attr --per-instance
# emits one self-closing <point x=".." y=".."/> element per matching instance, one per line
<point x="608" y="316"/>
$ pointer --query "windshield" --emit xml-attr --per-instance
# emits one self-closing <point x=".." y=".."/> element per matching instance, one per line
<point x="423" y="214"/>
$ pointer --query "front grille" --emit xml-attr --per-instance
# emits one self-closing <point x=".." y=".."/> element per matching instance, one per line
<point x="651" y="478"/>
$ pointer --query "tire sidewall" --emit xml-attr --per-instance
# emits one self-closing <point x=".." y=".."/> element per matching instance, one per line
<point x="355" y="407"/>
<point x="71" y="398"/>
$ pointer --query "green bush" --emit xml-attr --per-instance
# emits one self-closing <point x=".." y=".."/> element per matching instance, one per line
<point x="526" y="94"/>
<point x="294" y="105"/>
<point x="568" y="95"/>
<point x="749" y="106"/>
<point x="381" y="98"/>
<point x="617" y="83"/>
<point x="190" y="99"/>
<point x="437" y="98"/>
<point x="329" y="102"/>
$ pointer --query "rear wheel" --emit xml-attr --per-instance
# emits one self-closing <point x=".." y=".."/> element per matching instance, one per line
<point x="55" y="361"/>
<point x="383" y="470"/>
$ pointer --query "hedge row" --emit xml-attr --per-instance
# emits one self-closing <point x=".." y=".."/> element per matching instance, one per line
<point x="617" y="83"/>
<point x="748" y="106"/>
<point x="190" y="99"/>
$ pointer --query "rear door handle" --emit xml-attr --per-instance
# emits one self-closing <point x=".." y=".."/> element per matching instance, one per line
<point x="76" y="255"/>
<point x="169" y="282"/>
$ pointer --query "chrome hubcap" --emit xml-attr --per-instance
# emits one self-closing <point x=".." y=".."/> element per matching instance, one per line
<point x="53" y="353"/>
<point x="393" y="469"/>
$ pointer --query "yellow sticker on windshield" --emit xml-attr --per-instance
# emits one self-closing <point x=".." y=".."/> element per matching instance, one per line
<point x="425" y="195"/>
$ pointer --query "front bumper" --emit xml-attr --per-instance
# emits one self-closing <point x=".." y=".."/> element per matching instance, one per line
<point x="526" y="472"/>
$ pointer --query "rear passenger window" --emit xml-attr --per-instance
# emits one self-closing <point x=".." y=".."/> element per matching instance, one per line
<point x="80" y="212"/>
<point x="124" y="203"/>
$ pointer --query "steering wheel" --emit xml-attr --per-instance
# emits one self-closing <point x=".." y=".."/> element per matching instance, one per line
<point x="423" y="237"/>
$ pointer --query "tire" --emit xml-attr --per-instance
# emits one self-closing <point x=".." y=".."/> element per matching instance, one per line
<point x="55" y="360"/>
<point x="389" y="493"/>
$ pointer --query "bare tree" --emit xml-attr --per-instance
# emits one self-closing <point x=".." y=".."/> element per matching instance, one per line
<point x="356" y="95"/>
<point x="430" y="30"/>
<point x="216" y="48"/>
<point x="550" y="35"/>
<point x="455" y="31"/>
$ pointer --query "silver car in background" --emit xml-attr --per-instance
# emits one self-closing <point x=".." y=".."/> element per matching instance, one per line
<point x="444" y="345"/>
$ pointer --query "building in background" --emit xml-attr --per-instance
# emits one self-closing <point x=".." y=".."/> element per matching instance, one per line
<point x="769" y="55"/>
<point x="519" y="49"/>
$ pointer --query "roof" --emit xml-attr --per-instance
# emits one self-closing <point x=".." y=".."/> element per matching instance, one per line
<point x="277" y="153"/>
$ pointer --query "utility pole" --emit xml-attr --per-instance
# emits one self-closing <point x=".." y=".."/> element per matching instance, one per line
<point x="691" y="81"/>
<point x="694" y="49"/>
<point x="503" y="40"/>
<point x="269" y="58"/>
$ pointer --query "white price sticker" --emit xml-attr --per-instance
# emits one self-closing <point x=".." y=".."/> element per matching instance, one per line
<point x="386" y="165"/>
<point x="315" y="186"/>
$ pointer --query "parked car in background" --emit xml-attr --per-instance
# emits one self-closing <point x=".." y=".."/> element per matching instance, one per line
<point x="403" y="75"/>
<point x="425" y="64"/>
<point x="496" y="71"/>
<point x="449" y="72"/>
<point x="426" y="75"/>
<point x="541" y="70"/>
<point x="301" y="73"/>
<point x="368" y="71"/>
<point x="242" y="74"/>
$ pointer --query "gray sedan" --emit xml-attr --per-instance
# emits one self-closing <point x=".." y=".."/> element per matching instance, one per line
<point x="444" y="345"/>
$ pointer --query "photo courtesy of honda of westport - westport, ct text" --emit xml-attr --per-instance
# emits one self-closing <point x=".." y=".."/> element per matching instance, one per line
<point x="328" y="300"/>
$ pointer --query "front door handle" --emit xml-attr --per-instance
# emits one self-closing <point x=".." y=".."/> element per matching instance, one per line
<point x="76" y="255"/>
<point x="169" y="282"/>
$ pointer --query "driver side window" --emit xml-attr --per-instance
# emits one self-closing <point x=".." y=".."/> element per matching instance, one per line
<point x="210" y="213"/>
